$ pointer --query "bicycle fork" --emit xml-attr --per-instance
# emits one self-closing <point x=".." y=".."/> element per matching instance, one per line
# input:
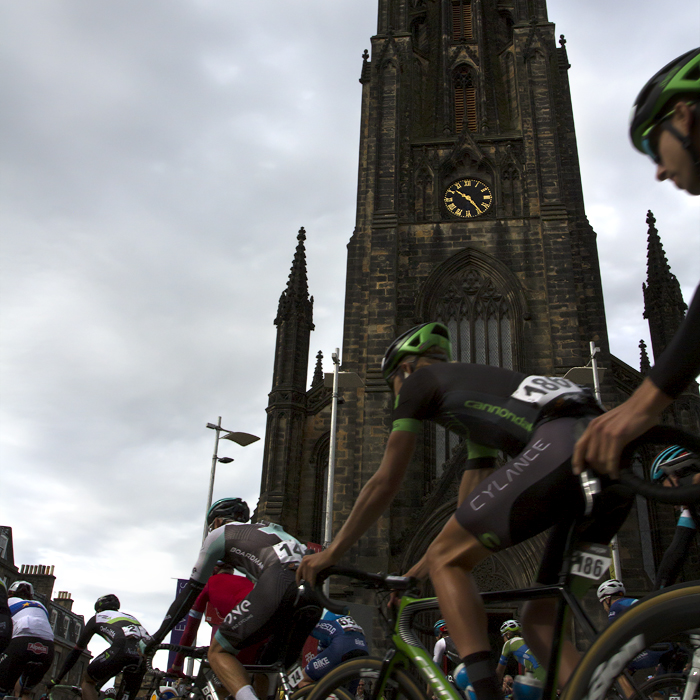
<point x="694" y="672"/>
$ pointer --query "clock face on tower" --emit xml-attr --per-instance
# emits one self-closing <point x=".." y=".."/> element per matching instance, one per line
<point x="468" y="198"/>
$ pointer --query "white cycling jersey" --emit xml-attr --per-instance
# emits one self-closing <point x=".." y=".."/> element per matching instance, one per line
<point x="29" y="619"/>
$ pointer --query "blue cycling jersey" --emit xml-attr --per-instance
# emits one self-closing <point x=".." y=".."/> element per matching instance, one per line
<point x="620" y="606"/>
<point x="331" y="626"/>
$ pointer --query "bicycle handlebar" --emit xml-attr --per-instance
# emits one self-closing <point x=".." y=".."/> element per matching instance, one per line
<point x="194" y="652"/>
<point x="662" y="435"/>
<point x="382" y="582"/>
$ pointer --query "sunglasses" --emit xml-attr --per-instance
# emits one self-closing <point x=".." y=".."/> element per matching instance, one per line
<point x="650" y="138"/>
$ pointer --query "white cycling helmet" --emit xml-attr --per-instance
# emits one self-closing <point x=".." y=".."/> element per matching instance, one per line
<point x="510" y="626"/>
<point x="610" y="587"/>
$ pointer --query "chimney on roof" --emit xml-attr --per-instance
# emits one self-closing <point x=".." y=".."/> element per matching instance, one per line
<point x="40" y="576"/>
<point x="64" y="600"/>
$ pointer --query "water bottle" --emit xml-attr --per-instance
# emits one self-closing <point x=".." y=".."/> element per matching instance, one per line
<point x="527" y="687"/>
<point x="462" y="682"/>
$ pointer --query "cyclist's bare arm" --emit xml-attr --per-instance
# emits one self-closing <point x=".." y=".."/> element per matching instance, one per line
<point x="373" y="500"/>
<point x="602" y="443"/>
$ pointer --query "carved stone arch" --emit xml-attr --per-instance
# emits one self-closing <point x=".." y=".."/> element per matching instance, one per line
<point x="472" y="267"/>
<point x="318" y="461"/>
<point x="510" y="185"/>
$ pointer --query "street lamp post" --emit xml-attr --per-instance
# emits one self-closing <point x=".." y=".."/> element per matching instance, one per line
<point x="241" y="439"/>
<point x="337" y="379"/>
<point x="584" y="375"/>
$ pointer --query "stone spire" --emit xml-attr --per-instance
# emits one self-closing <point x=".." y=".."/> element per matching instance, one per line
<point x="295" y="298"/>
<point x="644" y="365"/>
<point x="318" y="371"/>
<point x="664" y="307"/>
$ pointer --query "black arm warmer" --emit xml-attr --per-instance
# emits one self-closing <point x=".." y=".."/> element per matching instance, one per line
<point x="679" y="363"/>
<point x="69" y="662"/>
<point x="674" y="556"/>
<point x="178" y="610"/>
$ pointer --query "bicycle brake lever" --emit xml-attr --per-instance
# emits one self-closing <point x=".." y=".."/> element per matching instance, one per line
<point x="591" y="488"/>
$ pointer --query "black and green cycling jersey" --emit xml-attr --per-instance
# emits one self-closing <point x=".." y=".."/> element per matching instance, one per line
<point x="494" y="408"/>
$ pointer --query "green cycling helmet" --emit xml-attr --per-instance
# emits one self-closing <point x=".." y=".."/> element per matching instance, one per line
<point x="415" y="342"/>
<point x="679" y="77"/>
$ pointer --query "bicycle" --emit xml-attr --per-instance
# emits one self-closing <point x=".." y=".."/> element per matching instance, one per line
<point x="669" y="615"/>
<point x="282" y="679"/>
<point x="58" y="691"/>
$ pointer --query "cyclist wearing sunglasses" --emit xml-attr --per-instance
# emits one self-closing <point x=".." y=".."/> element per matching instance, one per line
<point x="665" y="124"/>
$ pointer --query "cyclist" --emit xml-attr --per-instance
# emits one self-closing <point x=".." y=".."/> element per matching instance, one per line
<point x="223" y="591"/>
<point x="30" y="652"/>
<point x="672" y="466"/>
<point x="123" y="632"/>
<point x="613" y="597"/>
<point x="340" y="638"/>
<point x="5" y="618"/>
<point x="515" y="645"/>
<point x="665" y="125"/>
<point x="267" y="555"/>
<point x="445" y="653"/>
<point x="535" y="418"/>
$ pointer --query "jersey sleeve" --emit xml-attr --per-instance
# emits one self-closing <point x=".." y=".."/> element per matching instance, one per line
<point x="679" y="363"/>
<point x="439" y="650"/>
<point x="415" y="402"/>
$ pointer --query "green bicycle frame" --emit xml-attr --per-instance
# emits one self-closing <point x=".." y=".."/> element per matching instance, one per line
<point x="408" y="651"/>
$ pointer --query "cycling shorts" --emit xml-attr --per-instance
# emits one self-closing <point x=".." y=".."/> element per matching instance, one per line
<point x="122" y="655"/>
<point x="29" y="657"/>
<point x="265" y="610"/>
<point x="342" y="648"/>
<point x="536" y="490"/>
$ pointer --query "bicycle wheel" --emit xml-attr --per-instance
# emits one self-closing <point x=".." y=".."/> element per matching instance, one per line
<point x="400" y="686"/>
<point x="669" y="686"/>
<point x="338" y="694"/>
<point x="666" y="616"/>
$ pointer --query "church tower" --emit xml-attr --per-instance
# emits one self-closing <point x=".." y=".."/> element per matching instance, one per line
<point x="469" y="211"/>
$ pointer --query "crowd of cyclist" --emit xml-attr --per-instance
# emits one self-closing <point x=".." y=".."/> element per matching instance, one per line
<point x="555" y="427"/>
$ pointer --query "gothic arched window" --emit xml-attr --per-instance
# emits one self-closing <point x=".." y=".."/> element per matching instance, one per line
<point x="461" y="20"/>
<point x="464" y="98"/>
<point x="480" y="319"/>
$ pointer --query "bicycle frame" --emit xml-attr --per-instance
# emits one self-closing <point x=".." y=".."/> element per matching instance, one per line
<point x="407" y="649"/>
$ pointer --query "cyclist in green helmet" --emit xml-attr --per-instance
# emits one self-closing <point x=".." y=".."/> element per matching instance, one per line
<point x="665" y="125"/>
<point x="665" y="121"/>
<point x="532" y="419"/>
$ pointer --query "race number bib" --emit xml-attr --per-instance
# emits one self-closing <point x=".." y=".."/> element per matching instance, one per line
<point x="288" y="551"/>
<point x="541" y="390"/>
<point x="296" y="676"/>
<point x="348" y="624"/>
<point x="590" y="561"/>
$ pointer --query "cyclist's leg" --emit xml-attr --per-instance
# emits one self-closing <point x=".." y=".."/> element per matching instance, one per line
<point x="105" y="666"/>
<point x="11" y="662"/>
<point x="263" y="610"/>
<point x="524" y="497"/>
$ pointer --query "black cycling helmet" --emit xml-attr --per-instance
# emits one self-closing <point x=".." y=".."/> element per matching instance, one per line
<point x="415" y="342"/>
<point x="680" y="77"/>
<point x="107" y="602"/>
<point x="229" y="509"/>
<point x="21" y="589"/>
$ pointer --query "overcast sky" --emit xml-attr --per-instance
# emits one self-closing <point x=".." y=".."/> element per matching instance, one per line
<point x="158" y="159"/>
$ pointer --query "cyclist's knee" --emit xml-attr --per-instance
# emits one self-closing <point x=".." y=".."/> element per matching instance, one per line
<point x="87" y="679"/>
<point x="455" y="546"/>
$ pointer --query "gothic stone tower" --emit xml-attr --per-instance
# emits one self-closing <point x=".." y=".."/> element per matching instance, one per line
<point x="469" y="211"/>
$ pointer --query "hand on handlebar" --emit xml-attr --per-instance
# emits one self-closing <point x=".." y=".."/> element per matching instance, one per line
<point x="419" y="571"/>
<point x="312" y="564"/>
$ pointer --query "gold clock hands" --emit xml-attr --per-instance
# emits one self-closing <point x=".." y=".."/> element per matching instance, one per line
<point x="473" y="203"/>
